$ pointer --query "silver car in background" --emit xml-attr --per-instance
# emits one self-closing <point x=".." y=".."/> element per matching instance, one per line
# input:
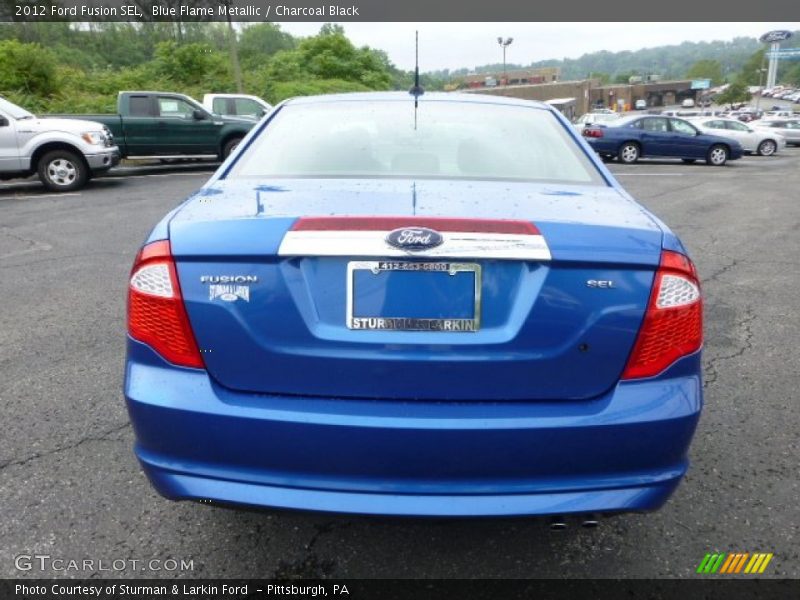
<point x="764" y="142"/>
<point x="788" y="128"/>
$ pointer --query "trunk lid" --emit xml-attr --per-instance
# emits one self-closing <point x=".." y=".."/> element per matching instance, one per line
<point x="548" y="327"/>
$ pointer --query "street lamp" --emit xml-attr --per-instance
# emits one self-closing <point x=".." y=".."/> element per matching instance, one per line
<point x="761" y="72"/>
<point x="504" y="43"/>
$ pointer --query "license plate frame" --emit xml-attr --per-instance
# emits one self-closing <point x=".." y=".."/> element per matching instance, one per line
<point x="399" y="323"/>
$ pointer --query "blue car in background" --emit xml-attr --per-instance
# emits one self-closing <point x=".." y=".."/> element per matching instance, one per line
<point x="437" y="305"/>
<point x="632" y="138"/>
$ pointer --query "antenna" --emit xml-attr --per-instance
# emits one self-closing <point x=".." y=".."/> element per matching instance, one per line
<point x="417" y="89"/>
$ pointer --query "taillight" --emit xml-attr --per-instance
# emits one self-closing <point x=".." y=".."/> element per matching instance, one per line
<point x="673" y="323"/>
<point x="156" y="314"/>
<point x="592" y="132"/>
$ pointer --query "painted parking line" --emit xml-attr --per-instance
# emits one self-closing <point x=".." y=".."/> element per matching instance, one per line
<point x="205" y="173"/>
<point x="10" y="187"/>
<point x="61" y="195"/>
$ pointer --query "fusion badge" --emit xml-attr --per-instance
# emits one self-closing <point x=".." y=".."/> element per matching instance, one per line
<point x="229" y="288"/>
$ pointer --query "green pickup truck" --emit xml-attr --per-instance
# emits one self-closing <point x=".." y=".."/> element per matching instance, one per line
<point x="164" y="125"/>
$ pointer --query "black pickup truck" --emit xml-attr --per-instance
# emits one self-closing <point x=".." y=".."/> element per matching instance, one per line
<point x="163" y="124"/>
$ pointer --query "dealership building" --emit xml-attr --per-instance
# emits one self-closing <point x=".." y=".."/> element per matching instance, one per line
<point x="588" y="93"/>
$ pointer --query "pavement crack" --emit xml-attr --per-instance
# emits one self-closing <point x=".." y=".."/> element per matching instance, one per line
<point x="310" y="565"/>
<point x="673" y="190"/>
<point x="720" y="272"/>
<point x="102" y="437"/>
<point x="711" y="366"/>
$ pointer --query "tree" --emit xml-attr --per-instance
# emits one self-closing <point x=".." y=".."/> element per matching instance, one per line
<point x="706" y="69"/>
<point x="192" y="64"/>
<point x="624" y="78"/>
<point x="792" y="76"/>
<point x="331" y="55"/>
<point x="604" y="78"/>
<point x="258" y="42"/>
<point x="27" y="68"/>
<point x="751" y="73"/>
<point x="735" y="92"/>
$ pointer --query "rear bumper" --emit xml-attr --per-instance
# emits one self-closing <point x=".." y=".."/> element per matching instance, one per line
<point x="625" y="451"/>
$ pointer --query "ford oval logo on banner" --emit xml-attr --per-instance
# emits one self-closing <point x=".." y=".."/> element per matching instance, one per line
<point x="778" y="35"/>
<point x="414" y="238"/>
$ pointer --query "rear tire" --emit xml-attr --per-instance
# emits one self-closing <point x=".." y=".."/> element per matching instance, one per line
<point x="229" y="147"/>
<point x="62" y="171"/>
<point x="717" y="155"/>
<point x="767" y="148"/>
<point x="628" y="153"/>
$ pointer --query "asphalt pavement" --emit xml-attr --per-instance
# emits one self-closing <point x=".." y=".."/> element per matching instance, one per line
<point x="71" y="488"/>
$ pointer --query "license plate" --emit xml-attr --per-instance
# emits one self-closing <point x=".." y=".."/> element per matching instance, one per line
<point x="413" y="296"/>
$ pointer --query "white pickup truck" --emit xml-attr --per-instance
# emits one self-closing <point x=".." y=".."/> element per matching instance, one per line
<point x="65" y="153"/>
<point x="237" y="105"/>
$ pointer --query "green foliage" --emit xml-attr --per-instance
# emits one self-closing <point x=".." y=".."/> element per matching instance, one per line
<point x="288" y="89"/>
<point x="792" y="75"/>
<point x="706" y="69"/>
<point x="258" y="42"/>
<point x="735" y="92"/>
<point x="330" y="55"/>
<point x="193" y="64"/>
<point x="604" y="78"/>
<point x="751" y="73"/>
<point x="58" y="67"/>
<point x="27" y="68"/>
<point x="625" y="77"/>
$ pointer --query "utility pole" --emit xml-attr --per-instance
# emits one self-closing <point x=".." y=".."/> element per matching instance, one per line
<point x="237" y="70"/>
<point x="504" y="43"/>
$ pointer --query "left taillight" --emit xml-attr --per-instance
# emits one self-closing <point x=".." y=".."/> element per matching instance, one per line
<point x="593" y="132"/>
<point x="156" y="313"/>
<point x="673" y="323"/>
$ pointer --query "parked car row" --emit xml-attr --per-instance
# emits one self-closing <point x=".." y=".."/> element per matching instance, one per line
<point x="716" y="140"/>
<point x="67" y="150"/>
<point x="782" y="93"/>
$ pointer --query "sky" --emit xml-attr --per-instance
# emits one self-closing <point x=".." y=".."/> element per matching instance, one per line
<point x="456" y="45"/>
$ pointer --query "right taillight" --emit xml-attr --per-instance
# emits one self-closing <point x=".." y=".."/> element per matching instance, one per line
<point x="156" y="314"/>
<point x="673" y="323"/>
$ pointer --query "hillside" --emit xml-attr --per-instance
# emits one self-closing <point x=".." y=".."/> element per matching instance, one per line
<point x="667" y="61"/>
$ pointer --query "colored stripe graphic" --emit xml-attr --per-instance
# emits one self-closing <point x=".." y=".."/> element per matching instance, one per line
<point x="710" y="563"/>
<point x="733" y="563"/>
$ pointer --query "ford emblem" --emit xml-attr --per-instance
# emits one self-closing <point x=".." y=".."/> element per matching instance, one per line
<point x="772" y="37"/>
<point x="414" y="238"/>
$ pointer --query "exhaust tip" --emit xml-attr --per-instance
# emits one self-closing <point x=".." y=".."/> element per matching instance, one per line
<point x="557" y="523"/>
<point x="589" y="522"/>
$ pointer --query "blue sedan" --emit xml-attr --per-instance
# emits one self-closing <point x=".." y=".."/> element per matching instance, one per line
<point x="449" y="308"/>
<point x="632" y="138"/>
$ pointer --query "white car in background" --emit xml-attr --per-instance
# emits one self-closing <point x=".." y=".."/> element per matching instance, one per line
<point x="788" y="128"/>
<point x="754" y="140"/>
<point x="237" y="105"/>
<point x="595" y="118"/>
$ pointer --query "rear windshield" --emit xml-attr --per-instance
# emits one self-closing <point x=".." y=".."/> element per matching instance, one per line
<point x="451" y="140"/>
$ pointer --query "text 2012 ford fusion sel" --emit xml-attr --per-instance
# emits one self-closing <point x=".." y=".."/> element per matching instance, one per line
<point x="445" y="310"/>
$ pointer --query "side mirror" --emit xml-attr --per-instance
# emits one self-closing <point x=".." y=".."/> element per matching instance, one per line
<point x="3" y="122"/>
<point x="199" y="115"/>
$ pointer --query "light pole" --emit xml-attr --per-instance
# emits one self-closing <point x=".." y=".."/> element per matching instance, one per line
<point x="761" y="72"/>
<point x="504" y="43"/>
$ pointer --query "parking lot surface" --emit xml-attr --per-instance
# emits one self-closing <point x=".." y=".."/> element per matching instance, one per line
<point x="72" y="489"/>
